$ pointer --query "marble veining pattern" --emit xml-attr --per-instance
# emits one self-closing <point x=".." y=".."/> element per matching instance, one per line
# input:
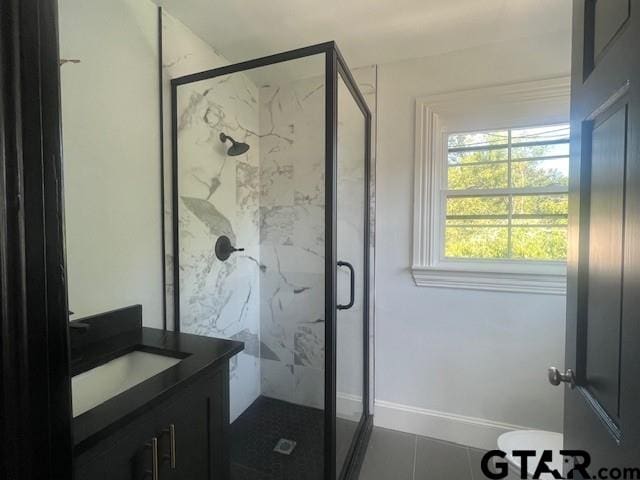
<point x="269" y="201"/>
<point x="219" y="195"/>
<point x="292" y="242"/>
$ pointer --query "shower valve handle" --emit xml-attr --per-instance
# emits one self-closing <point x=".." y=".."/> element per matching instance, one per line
<point x="224" y="249"/>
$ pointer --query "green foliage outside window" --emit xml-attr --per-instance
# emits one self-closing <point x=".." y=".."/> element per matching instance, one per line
<point x="525" y="217"/>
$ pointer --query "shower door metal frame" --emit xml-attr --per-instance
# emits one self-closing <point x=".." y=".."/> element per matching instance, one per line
<point x="334" y="66"/>
<point x="337" y="68"/>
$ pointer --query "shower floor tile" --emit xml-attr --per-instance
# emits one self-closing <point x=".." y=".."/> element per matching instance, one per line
<point x="256" y="432"/>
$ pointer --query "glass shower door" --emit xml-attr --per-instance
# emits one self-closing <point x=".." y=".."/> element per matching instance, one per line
<point x="351" y="273"/>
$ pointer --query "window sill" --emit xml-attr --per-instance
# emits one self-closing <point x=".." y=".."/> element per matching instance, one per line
<point x="515" y="278"/>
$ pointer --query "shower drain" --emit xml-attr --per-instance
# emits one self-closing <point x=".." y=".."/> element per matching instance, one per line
<point x="284" y="446"/>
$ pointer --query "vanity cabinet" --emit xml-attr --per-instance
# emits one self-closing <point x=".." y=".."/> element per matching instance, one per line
<point x="182" y="436"/>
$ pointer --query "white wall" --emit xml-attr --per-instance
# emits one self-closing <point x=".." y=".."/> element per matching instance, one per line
<point x="456" y="364"/>
<point x="111" y="140"/>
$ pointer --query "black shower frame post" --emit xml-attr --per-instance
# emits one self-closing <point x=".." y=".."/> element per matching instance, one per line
<point x="357" y="449"/>
<point x="330" y="262"/>
<point x="335" y="66"/>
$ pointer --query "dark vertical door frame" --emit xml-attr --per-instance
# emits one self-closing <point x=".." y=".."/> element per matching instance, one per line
<point x="35" y="395"/>
<point x="163" y="231"/>
<point x="356" y="451"/>
<point x="330" y="262"/>
<point x="175" y="206"/>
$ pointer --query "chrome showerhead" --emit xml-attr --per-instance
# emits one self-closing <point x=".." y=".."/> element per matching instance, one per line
<point x="236" y="148"/>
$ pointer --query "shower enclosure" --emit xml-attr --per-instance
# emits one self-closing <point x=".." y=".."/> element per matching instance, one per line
<point x="271" y="161"/>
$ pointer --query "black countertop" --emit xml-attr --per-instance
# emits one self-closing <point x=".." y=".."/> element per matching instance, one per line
<point x="199" y="354"/>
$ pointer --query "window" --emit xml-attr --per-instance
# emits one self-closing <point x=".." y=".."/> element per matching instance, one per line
<point x="505" y="195"/>
<point x="491" y="188"/>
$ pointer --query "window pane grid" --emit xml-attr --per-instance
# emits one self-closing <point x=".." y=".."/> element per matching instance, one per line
<point x="478" y="148"/>
<point x="506" y="217"/>
<point x="471" y="147"/>
<point x="534" y="159"/>
<point x="559" y="132"/>
<point x="453" y="164"/>
<point x="520" y="213"/>
<point x="499" y="225"/>
<point x="504" y="192"/>
<point x="488" y="162"/>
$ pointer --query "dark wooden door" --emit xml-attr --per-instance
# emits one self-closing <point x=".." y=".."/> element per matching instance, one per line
<point x="602" y="412"/>
<point x="35" y="385"/>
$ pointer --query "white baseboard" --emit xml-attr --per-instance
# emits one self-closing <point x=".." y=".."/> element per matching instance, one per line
<point x="470" y="431"/>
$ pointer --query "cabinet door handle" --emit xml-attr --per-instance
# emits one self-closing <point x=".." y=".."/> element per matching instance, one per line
<point x="153" y="446"/>
<point x="171" y="456"/>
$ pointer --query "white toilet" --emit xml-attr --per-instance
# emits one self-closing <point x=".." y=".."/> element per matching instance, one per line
<point x="537" y="440"/>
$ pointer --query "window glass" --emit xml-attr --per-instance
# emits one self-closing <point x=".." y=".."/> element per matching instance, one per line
<point x="506" y="194"/>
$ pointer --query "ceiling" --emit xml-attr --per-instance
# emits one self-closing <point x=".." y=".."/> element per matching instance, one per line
<point x="367" y="31"/>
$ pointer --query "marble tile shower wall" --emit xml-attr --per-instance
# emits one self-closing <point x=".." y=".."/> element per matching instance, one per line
<point x="292" y="175"/>
<point x="270" y="201"/>
<point x="219" y="195"/>
<point x="292" y="216"/>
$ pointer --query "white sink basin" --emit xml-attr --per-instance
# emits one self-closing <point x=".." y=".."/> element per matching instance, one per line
<point x="99" y="384"/>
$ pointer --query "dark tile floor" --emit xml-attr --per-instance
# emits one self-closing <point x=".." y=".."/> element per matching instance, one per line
<point x="390" y="455"/>
<point x="395" y="455"/>
<point x="255" y="433"/>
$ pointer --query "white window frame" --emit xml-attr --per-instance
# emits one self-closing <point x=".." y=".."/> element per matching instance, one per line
<point x="542" y="102"/>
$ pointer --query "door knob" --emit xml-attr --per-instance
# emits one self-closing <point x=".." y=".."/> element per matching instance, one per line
<point x="556" y="377"/>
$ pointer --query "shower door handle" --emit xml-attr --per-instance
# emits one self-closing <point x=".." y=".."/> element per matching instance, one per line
<point x="352" y="274"/>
